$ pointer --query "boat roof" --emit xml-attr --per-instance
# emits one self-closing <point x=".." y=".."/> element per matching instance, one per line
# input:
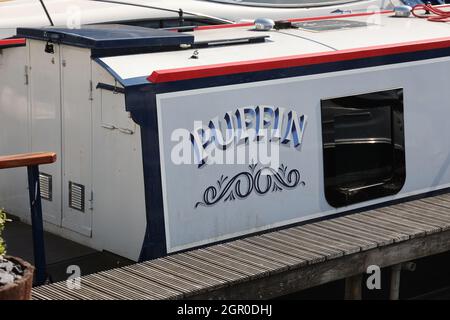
<point x="108" y="36"/>
<point x="315" y="38"/>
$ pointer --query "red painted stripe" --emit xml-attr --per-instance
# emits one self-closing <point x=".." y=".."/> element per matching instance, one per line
<point x="169" y="75"/>
<point x="11" y="42"/>
<point x="336" y="16"/>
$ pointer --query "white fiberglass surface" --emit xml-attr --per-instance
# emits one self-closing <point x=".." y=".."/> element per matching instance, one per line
<point x="380" y="30"/>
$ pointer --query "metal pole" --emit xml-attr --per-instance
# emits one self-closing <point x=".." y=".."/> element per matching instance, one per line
<point x="37" y="225"/>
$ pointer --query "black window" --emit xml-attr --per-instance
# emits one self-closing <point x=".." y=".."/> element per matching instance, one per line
<point x="363" y="146"/>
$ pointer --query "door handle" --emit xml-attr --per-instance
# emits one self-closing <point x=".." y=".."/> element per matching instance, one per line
<point x="126" y="131"/>
<point x="109" y="126"/>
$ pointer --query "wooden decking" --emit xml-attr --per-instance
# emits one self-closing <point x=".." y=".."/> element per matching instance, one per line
<point x="279" y="262"/>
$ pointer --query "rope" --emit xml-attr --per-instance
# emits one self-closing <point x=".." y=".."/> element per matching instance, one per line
<point x="438" y="14"/>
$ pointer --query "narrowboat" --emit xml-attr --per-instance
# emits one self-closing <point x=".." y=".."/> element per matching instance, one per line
<point x="169" y="141"/>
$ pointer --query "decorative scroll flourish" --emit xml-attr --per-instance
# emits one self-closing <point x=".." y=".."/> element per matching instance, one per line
<point x="261" y="181"/>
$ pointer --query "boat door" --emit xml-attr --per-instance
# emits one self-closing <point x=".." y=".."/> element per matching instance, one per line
<point x="45" y="103"/>
<point x="76" y="96"/>
<point x="61" y="121"/>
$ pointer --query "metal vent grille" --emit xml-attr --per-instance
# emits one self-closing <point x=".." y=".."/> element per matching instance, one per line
<point x="45" y="181"/>
<point x="76" y="196"/>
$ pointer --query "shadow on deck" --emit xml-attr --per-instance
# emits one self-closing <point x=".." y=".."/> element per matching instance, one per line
<point x="61" y="253"/>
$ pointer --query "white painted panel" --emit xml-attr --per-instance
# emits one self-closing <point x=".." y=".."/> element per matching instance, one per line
<point x="45" y="102"/>
<point x="427" y="148"/>
<point x="113" y="114"/>
<point x="14" y="129"/>
<point x="119" y="216"/>
<point x="77" y="135"/>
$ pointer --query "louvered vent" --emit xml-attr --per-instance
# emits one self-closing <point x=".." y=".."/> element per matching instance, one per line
<point x="76" y="196"/>
<point x="45" y="181"/>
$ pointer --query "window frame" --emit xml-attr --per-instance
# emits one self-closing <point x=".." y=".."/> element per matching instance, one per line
<point x="370" y="191"/>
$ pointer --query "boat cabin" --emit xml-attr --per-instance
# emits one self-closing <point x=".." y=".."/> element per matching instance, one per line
<point x="170" y="140"/>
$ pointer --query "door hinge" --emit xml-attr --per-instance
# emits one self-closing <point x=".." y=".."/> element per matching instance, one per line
<point x="26" y="76"/>
<point x="91" y="90"/>
<point x="91" y="201"/>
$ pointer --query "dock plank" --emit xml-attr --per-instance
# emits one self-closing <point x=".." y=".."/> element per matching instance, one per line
<point x="113" y="287"/>
<point x="186" y="273"/>
<point x="148" y="286"/>
<point x="51" y="293"/>
<point x="438" y="210"/>
<point x="165" y="279"/>
<point x="274" y="255"/>
<point x="437" y="201"/>
<point x="337" y="236"/>
<point x="43" y="294"/>
<point x="249" y="258"/>
<point x="418" y="218"/>
<point x="321" y="241"/>
<point x="442" y="219"/>
<point x="308" y="246"/>
<point x="444" y="197"/>
<point x="385" y="214"/>
<point x="388" y="226"/>
<point x="249" y="270"/>
<point x="286" y="249"/>
<point x="348" y="227"/>
<point x="213" y="269"/>
<point x="376" y="229"/>
<point x="380" y="218"/>
<point x="84" y="292"/>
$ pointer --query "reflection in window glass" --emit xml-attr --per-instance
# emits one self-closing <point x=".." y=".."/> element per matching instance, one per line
<point x="363" y="146"/>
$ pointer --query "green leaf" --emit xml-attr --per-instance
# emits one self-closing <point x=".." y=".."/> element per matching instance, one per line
<point x="3" y="220"/>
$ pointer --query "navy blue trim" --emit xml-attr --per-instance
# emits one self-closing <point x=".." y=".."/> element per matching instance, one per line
<point x="12" y="45"/>
<point x="136" y="81"/>
<point x="108" y="36"/>
<point x="141" y="103"/>
<point x="124" y="82"/>
<point x="37" y="225"/>
<point x="110" y="71"/>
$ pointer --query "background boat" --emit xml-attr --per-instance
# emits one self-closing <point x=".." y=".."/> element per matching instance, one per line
<point x="166" y="13"/>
